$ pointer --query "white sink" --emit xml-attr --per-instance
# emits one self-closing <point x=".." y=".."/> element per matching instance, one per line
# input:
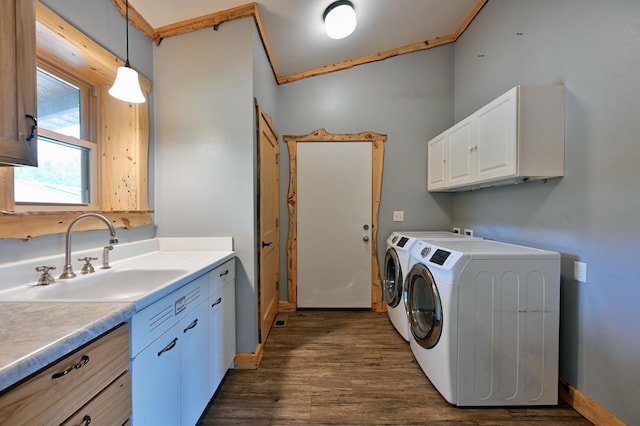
<point x="101" y="286"/>
<point x="142" y="272"/>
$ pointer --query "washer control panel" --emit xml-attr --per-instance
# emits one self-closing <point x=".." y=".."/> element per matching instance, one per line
<point x="402" y="242"/>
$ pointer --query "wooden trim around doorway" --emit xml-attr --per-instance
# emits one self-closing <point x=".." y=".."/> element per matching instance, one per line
<point x="321" y="135"/>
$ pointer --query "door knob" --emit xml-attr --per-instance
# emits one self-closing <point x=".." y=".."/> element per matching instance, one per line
<point x="366" y="227"/>
<point x="365" y="238"/>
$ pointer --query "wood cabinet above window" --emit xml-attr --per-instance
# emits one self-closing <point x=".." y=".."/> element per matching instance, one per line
<point x="18" y="83"/>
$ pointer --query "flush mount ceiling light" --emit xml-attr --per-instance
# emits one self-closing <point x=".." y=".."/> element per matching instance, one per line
<point x="339" y="19"/>
<point x="127" y="84"/>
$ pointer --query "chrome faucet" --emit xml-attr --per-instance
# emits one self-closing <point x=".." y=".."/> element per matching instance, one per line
<point x="68" y="268"/>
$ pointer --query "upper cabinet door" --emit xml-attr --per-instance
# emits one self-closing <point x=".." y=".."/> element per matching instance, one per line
<point x="18" y="96"/>
<point x="495" y="148"/>
<point x="460" y="169"/>
<point x="436" y="167"/>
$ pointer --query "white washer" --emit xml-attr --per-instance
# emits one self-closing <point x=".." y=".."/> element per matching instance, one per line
<point x="484" y="321"/>
<point x="397" y="265"/>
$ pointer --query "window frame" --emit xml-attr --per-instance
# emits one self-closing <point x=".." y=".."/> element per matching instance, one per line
<point x="88" y="139"/>
<point x="94" y="164"/>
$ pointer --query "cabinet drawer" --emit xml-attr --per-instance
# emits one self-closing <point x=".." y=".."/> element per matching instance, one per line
<point x="222" y="275"/>
<point x="43" y="399"/>
<point x="112" y="406"/>
<point x="154" y="320"/>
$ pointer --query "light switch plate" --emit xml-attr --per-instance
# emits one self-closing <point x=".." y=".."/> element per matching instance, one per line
<point x="398" y="216"/>
<point x="580" y="271"/>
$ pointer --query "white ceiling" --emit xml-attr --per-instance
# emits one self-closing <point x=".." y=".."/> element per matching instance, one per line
<point x="295" y="33"/>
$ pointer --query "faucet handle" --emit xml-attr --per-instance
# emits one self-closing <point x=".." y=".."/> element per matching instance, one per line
<point x="87" y="268"/>
<point x="45" y="278"/>
<point x="105" y="257"/>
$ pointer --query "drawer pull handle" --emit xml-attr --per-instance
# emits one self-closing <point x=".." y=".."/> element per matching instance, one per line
<point x="217" y="302"/>
<point x="83" y="361"/>
<point x="226" y="272"/>
<point x="169" y="346"/>
<point x="86" y="419"/>
<point x="190" y="326"/>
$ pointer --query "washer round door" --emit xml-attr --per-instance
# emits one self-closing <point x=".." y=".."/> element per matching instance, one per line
<point x="392" y="281"/>
<point x="423" y="306"/>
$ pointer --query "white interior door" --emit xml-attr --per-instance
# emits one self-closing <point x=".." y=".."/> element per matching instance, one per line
<point x="334" y="186"/>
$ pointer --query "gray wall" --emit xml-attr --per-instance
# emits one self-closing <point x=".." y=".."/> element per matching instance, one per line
<point x="265" y="88"/>
<point x="108" y="31"/>
<point x="102" y="22"/>
<point x="410" y="99"/>
<point x="592" y="213"/>
<point x="205" y="150"/>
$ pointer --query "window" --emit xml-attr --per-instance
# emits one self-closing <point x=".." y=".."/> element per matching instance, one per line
<point x="67" y="160"/>
<point x="111" y="148"/>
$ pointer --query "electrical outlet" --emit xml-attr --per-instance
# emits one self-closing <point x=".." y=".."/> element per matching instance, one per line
<point x="456" y="230"/>
<point x="580" y="271"/>
<point x="468" y="232"/>
<point x="398" y="216"/>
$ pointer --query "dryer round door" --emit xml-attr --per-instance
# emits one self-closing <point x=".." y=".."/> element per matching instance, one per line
<point x="423" y="306"/>
<point x="392" y="280"/>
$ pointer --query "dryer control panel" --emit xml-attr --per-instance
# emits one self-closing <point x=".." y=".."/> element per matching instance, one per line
<point x="440" y="256"/>
<point x="435" y="254"/>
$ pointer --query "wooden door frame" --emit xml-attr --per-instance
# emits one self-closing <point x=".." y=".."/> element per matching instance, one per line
<point x="321" y="135"/>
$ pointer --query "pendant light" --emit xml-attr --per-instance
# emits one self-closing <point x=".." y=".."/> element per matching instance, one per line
<point x="339" y="19"/>
<point x="127" y="84"/>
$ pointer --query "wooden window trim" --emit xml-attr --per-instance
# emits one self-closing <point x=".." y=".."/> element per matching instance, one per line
<point x="123" y="157"/>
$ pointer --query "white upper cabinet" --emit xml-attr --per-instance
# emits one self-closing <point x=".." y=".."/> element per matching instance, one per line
<point x="495" y="146"/>
<point x="436" y="173"/>
<point x="515" y="138"/>
<point x="459" y="159"/>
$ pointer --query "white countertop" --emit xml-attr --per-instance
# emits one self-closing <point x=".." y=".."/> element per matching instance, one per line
<point x="36" y="333"/>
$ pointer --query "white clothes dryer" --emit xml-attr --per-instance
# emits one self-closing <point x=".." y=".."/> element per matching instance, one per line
<point x="397" y="265"/>
<point x="484" y="321"/>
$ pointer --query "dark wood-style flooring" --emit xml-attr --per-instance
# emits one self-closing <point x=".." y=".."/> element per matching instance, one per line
<point x="349" y="367"/>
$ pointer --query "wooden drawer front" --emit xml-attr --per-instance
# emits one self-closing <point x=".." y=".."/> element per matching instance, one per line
<point x="112" y="406"/>
<point x="44" y="400"/>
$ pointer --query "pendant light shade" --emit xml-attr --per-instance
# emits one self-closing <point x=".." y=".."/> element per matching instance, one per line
<point x="340" y="19"/>
<point x="127" y="84"/>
